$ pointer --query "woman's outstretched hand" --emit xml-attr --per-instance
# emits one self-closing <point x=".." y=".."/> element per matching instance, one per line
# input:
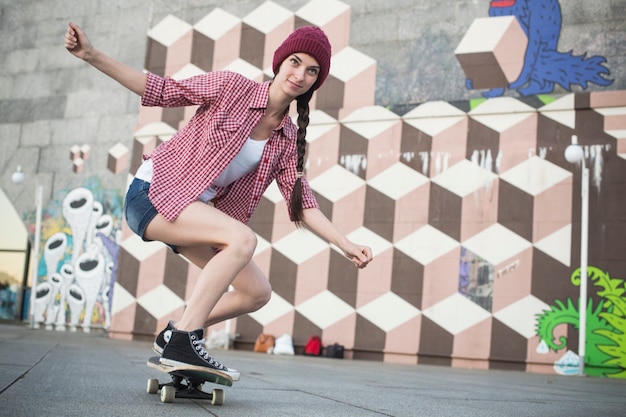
<point x="359" y="255"/>
<point x="76" y="42"/>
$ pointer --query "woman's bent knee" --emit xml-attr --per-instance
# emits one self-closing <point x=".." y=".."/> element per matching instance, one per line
<point x="243" y="243"/>
<point x="262" y="296"/>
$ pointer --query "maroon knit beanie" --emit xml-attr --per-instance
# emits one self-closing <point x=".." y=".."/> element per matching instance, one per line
<point x="310" y="40"/>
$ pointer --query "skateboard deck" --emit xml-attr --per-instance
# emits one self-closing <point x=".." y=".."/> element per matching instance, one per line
<point x="188" y="382"/>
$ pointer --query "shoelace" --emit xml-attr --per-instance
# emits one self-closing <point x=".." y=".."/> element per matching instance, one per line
<point x="199" y="346"/>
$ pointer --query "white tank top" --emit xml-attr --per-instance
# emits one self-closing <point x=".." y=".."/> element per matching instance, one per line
<point x="246" y="161"/>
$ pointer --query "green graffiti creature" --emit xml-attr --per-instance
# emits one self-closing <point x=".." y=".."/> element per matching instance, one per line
<point x="605" y="353"/>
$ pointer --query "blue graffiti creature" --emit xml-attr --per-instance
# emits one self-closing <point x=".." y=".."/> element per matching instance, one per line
<point x="544" y="66"/>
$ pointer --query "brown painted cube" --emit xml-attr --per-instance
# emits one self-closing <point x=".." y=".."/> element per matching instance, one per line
<point x="370" y="141"/>
<point x="542" y="192"/>
<point x="118" y="158"/>
<point x="397" y="202"/>
<point x="492" y="51"/>
<point x="350" y="85"/>
<point x="332" y="16"/>
<point x="463" y="200"/>
<point x="169" y="46"/>
<point x="433" y="137"/>
<point x="322" y="143"/>
<point x="497" y="142"/>
<point x="216" y="40"/>
<point x="261" y="36"/>
<point x="341" y="196"/>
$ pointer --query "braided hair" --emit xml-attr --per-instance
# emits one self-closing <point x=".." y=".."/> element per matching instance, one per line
<point x="313" y="41"/>
<point x="302" y="106"/>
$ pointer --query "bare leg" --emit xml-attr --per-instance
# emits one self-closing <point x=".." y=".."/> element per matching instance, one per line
<point x="203" y="226"/>
<point x="251" y="288"/>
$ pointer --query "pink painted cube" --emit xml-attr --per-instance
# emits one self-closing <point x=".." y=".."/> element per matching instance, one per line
<point x="492" y="51"/>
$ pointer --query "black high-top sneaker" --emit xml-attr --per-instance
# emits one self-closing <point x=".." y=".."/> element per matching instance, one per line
<point x="187" y="348"/>
<point x="163" y="338"/>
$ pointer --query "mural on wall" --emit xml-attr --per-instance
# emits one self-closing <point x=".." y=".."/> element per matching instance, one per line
<point x="467" y="205"/>
<point x="516" y="48"/>
<point x="605" y="353"/>
<point x="78" y="263"/>
<point x="542" y="65"/>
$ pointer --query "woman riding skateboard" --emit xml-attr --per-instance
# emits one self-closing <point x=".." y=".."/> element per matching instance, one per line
<point x="197" y="191"/>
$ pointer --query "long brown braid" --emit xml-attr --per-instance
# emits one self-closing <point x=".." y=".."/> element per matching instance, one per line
<point x="302" y="105"/>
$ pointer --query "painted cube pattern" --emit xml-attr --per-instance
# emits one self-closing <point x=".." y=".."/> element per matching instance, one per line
<point x="457" y="205"/>
<point x="492" y="51"/>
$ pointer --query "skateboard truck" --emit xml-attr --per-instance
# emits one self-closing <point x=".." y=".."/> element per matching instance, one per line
<point x="187" y="382"/>
<point x="182" y="387"/>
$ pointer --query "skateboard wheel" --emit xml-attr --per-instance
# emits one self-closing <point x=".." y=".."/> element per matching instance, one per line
<point x="153" y="386"/>
<point x="168" y="393"/>
<point x="218" y="397"/>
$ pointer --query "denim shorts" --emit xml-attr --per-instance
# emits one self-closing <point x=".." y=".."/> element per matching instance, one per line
<point x="138" y="208"/>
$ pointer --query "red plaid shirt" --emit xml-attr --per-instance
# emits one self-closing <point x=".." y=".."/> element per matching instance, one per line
<point x="230" y="106"/>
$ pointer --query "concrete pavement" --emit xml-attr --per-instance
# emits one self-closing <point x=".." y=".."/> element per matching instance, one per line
<point x="47" y="373"/>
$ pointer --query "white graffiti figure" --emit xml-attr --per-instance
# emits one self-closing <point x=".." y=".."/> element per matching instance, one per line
<point x="90" y="272"/>
<point x="67" y="273"/>
<point x="56" y="281"/>
<point x="78" y="211"/>
<point x="53" y="252"/>
<point x="76" y="303"/>
<point x="96" y="213"/>
<point x="43" y="294"/>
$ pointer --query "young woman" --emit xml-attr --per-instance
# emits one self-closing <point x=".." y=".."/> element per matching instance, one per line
<point x="197" y="191"/>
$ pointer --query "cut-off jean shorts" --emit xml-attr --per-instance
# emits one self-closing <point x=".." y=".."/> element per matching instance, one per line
<point x="138" y="208"/>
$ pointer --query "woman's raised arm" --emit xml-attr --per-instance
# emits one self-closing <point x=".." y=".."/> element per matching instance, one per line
<point x="77" y="43"/>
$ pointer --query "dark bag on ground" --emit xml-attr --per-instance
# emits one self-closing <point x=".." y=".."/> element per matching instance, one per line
<point x="334" y="351"/>
<point x="313" y="347"/>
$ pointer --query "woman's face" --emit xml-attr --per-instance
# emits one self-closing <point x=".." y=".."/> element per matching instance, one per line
<point x="298" y="73"/>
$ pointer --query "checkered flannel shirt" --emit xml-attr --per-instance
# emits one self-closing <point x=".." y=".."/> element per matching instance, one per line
<point x="230" y="105"/>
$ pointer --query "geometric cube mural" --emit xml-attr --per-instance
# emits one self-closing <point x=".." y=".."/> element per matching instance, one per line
<point x="470" y="208"/>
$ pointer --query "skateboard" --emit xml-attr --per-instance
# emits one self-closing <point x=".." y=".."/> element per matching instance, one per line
<point x="188" y="382"/>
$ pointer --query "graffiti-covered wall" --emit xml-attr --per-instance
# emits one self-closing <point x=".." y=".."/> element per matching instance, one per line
<point x="438" y="140"/>
<point x="78" y="264"/>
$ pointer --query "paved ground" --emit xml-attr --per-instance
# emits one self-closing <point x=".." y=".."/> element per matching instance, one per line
<point x="45" y="373"/>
